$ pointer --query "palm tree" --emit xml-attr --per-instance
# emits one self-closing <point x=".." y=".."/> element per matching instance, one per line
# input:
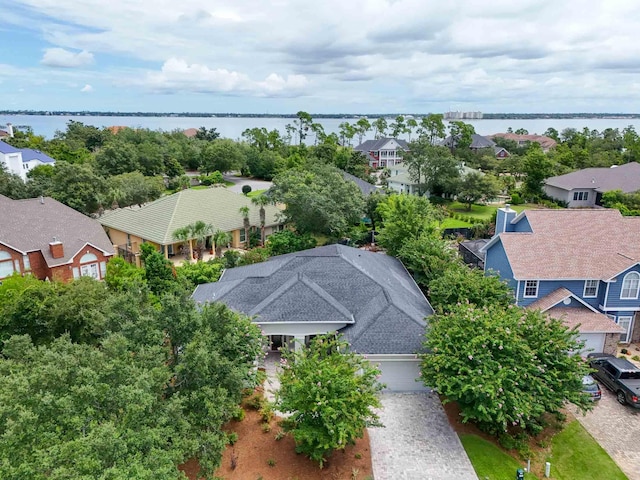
<point x="247" y="225"/>
<point x="219" y="240"/>
<point x="183" y="234"/>
<point x="262" y="201"/>
<point x="200" y="231"/>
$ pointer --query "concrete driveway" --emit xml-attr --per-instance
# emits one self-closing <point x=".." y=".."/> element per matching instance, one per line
<point x="616" y="428"/>
<point x="239" y="182"/>
<point x="417" y="441"/>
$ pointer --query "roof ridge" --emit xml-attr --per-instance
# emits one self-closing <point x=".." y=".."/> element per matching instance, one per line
<point x="173" y="213"/>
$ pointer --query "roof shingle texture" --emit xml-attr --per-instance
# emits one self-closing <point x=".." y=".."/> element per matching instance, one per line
<point x="622" y="177"/>
<point x="375" y="145"/>
<point x="156" y="221"/>
<point x="30" y="225"/>
<point x="573" y="244"/>
<point x="383" y="307"/>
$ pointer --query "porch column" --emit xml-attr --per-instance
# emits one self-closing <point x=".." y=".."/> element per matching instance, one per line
<point x="165" y="249"/>
<point x="298" y="342"/>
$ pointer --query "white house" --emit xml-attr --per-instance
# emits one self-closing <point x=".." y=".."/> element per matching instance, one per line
<point x="21" y="160"/>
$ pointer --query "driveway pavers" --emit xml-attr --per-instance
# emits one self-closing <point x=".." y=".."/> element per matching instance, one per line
<point x="617" y="429"/>
<point x="417" y="441"/>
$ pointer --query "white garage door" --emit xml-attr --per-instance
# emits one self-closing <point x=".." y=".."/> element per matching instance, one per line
<point x="594" y="342"/>
<point x="401" y="375"/>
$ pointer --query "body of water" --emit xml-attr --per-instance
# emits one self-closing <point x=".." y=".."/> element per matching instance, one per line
<point x="232" y="127"/>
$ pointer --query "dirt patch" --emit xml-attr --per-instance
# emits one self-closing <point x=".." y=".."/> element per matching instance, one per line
<point x="540" y="445"/>
<point x="258" y="455"/>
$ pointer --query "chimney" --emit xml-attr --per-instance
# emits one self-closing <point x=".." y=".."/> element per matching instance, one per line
<point x="10" y="130"/>
<point x="504" y="216"/>
<point x="56" y="248"/>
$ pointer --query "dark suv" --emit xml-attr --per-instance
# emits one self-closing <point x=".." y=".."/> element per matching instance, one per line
<point x="620" y="376"/>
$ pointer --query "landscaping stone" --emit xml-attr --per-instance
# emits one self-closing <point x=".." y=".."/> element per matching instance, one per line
<point x="417" y="441"/>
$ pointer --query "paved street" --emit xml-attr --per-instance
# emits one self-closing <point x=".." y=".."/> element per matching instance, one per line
<point x="239" y="182"/>
<point x="417" y="442"/>
<point x="616" y="428"/>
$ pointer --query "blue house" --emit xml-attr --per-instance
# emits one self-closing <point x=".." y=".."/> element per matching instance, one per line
<point x="581" y="265"/>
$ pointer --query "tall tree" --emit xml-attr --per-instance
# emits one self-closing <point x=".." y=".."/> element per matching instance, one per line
<point x="475" y="186"/>
<point x="398" y="127"/>
<point x="432" y="167"/>
<point x="461" y="135"/>
<point x="303" y="124"/>
<point x="220" y="239"/>
<point x="362" y="127"/>
<point x="244" y="211"/>
<point x="379" y="127"/>
<point x="412" y="125"/>
<point x="537" y="168"/>
<point x="222" y="155"/>
<point x="432" y="126"/>
<point x="262" y="201"/>
<point x="183" y="234"/>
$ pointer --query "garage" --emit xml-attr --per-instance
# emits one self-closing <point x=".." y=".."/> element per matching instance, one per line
<point x="593" y="342"/>
<point x="400" y="373"/>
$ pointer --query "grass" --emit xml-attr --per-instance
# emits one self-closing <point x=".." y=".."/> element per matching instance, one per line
<point x="453" y="223"/>
<point x="577" y="456"/>
<point x="255" y="193"/>
<point x="489" y="461"/>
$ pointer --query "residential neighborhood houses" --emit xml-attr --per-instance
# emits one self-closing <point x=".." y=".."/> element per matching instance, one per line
<point x="580" y="266"/>
<point x="51" y="241"/>
<point x="22" y="160"/>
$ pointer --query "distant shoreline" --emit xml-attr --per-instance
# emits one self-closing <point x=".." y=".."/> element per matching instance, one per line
<point x="486" y="116"/>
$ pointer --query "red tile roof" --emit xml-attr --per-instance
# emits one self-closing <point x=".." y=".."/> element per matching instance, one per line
<point x="573" y="244"/>
<point x="190" y="132"/>
<point x="545" y="142"/>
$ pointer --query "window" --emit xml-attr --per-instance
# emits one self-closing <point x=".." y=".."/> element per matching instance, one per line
<point x="26" y="262"/>
<point x="531" y="288"/>
<point x="625" y="322"/>
<point x="6" y="265"/>
<point x="243" y="237"/>
<point x="89" y="266"/>
<point x="586" y="196"/>
<point x="590" y="288"/>
<point x="630" y="286"/>
<point x="581" y="196"/>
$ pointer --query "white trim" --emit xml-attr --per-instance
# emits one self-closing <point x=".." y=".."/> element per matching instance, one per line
<point x="391" y="357"/>
<point x="584" y="290"/>
<point x="518" y="292"/>
<point x="524" y="292"/>
<point x="324" y="322"/>
<point x="622" y="271"/>
<point x="15" y="249"/>
<point x="572" y="295"/>
<point x="637" y="275"/>
<point x="628" y="330"/>
<point x="606" y="297"/>
<point x="620" y="309"/>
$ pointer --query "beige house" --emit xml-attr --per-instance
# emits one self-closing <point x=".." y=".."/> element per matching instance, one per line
<point x="155" y="222"/>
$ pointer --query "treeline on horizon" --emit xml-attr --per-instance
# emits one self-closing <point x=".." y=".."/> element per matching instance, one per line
<point x="486" y="116"/>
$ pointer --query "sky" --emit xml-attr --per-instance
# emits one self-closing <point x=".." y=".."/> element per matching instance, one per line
<point x="326" y="56"/>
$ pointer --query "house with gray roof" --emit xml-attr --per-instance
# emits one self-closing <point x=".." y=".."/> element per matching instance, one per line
<point x="46" y="238"/>
<point x="156" y="222"/>
<point x="365" y="187"/>
<point x="20" y="161"/>
<point x="383" y="152"/>
<point x="579" y="265"/>
<point x="478" y="142"/>
<point x="584" y="188"/>
<point x="368" y="297"/>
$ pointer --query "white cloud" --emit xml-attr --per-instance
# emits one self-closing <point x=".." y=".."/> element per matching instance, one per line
<point x="87" y="88"/>
<point x="59" y="57"/>
<point x="177" y="75"/>
<point x="389" y="53"/>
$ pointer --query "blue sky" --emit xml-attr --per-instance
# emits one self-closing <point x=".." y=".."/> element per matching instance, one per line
<point x="334" y="56"/>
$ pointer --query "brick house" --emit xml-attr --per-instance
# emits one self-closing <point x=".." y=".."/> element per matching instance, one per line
<point x="43" y="237"/>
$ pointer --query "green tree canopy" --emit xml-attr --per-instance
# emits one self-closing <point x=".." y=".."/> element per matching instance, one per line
<point x="329" y="393"/>
<point x="222" y="155"/>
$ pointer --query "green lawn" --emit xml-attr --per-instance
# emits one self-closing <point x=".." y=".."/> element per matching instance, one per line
<point x="484" y="212"/>
<point x="489" y="461"/>
<point x="577" y="456"/>
<point x="453" y="223"/>
<point x="255" y="193"/>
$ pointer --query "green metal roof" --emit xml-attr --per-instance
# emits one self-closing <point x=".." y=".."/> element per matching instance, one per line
<point x="158" y="220"/>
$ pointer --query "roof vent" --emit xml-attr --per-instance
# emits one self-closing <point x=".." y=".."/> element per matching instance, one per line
<point x="593" y="179"/>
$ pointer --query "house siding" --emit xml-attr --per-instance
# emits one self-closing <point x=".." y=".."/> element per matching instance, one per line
<point x="496" y="260"/>
<point x="613" y="300"/>
<point x="523" y="226"/>
<point x="576" y="287"/>
<point x="557" y="193"/>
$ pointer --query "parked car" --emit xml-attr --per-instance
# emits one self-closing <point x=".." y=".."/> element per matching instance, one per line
<point x="591" y="387"/>
<point x="620" y="376"/>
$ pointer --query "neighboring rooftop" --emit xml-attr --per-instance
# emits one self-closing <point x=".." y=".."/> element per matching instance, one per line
<point x="545" y="142"/>
<point x="30" y="225"/>
<point x="477" y="142"/>
<point x="371" y="292"/>
<point x="28" y="154"/>
<point x="375" y="145"/>
<point x="572" y="244"/>
<point x="620" y="177"/>
<point x="156" y="221"/>
<point x="365" y="187"/>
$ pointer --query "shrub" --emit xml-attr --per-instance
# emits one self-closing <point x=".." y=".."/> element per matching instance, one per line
<point x="266" y="428"/>
<point x="271" y="462"/>
<point x="256" y="402"/>
<point x="280" y="435"/>
<point x="636" y="358"/>
<point x="238" y="414"/>
<point x="266" y="412"/>
<point x="246" y="189"/>
<point x="232" y="438"/>
<point x="624" y="351"/>
<point x="358" y="456"/>
<point x="516" y="199"/>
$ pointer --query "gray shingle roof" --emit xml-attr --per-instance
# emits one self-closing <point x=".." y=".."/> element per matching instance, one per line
<point x="623" y="177"/>
<point x="30" y="225"/>
<point x="375" y="145"/>
<point x="365" y="187"/>
<point x="371" y="292"/>
<point x="158" y="220"/>
<point x="477" y="141"/>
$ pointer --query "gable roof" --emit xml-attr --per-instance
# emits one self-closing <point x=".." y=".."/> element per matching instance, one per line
<point x="156" y="221"/>
<point x="375" y="145"/>
<point x="6" y="148"/>
<point x="572" y="244"/>
<point x="28" y="154"/>
<point x="370" y="292"/>
<point x="477" y="141"/>
<point x="545" y="142"/>
<point x="365" y="187"/>
<point x="30" y="225"/>
<point x="585" y="318"/>
<point x="621" y="177"/>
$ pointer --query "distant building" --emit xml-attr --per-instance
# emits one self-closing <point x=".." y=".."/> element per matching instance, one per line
<point x="546" y="143"/>
<point x="384" y="152"/>
<point x="462" y="115"/>
<point x="20" y="161"/>
<point x="478" y="142"/>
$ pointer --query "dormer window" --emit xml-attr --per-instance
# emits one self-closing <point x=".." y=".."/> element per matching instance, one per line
<point x="630" y="286"/>
<point x="531" y="288"/>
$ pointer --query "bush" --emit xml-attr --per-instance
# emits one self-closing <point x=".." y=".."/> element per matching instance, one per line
<point x="266" y="412"/>
<point x="214" y="178"/>
<point x="246" y="189"/>
<point x="256" y="402"/>
<point x="231" y="258"/>
<point x="232" y="438"/>
<point x="636" y="358"/>
<point x="266" y="428"/>
<point x="516" y="199"/>
<point x="238" y="415"/>
<point x="280" y="435"/>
